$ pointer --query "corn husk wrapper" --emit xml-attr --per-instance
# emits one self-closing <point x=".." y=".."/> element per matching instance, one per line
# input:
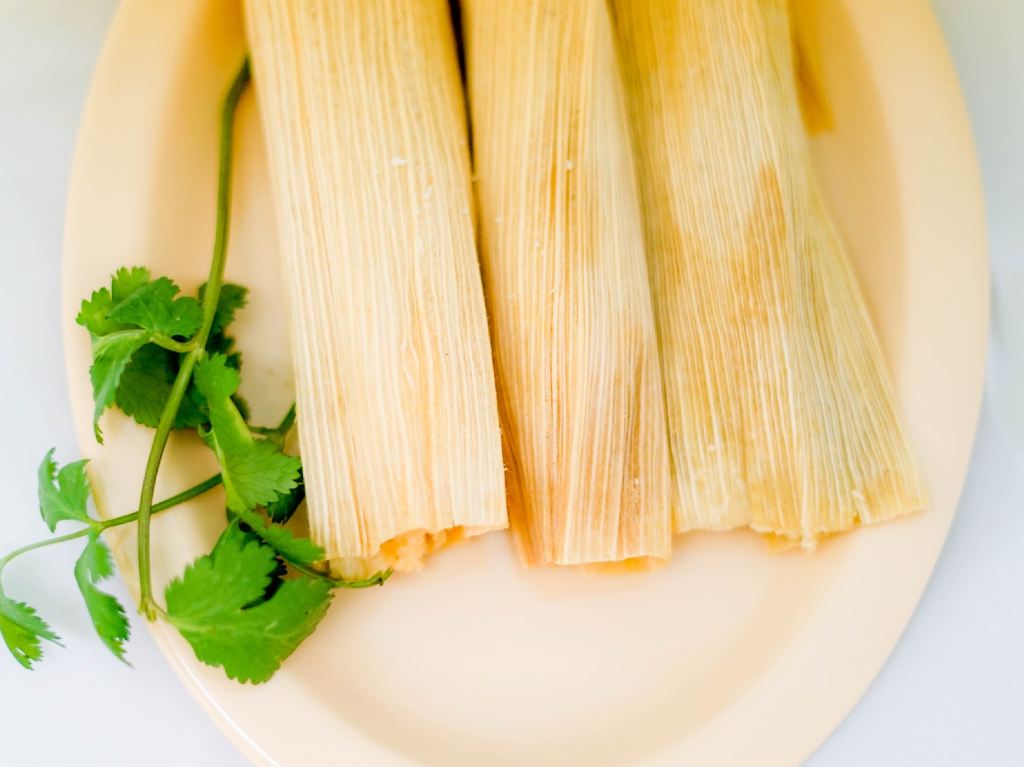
<point x="566" y="284"/>
<point x="780" y="411"/>
<point x="365" y="130"/>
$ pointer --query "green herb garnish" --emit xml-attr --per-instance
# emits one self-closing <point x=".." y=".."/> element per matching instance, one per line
<point x="168" y="361"/>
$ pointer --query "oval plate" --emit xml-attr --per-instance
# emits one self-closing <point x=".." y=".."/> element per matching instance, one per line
<point x="731" y="655"/>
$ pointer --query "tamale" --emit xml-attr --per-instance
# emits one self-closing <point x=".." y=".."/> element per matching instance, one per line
<point x="781" y="414"/>
<point x="363" y="114"/>
<point x="566" y="284"/>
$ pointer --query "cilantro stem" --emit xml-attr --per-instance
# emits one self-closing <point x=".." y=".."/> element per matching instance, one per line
<point x="124" y="519"/>
<point x="156" y="452"/>
<point x="169" y="343"/>
<point x="287" y="422"/>
<point x="211" y="297"/>
<point x="41" y="544"/>
<point x="279" y="432"/>
<point x="377" y="579"/>
<point x="174" y="500"/>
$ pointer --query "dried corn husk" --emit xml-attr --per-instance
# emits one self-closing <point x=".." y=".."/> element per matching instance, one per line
<point x="566" y="284"/>
<point x="780" y="410"/>
<point x="807" y="63"/>
<point x="365" y="130"/>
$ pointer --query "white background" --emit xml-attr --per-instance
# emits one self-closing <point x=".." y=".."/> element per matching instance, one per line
<point x="952" y="692"/>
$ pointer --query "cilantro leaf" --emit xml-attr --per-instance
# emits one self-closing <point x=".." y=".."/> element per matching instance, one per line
<point x="23" y="631"/>
<point x="255" y="472"/>
<point x="134" y="373"/>
<point x="95" y="312"/>
<point x="239" y="534"/>
<point x="63" y="494"/>
<point x="219" y="606"/>
<point x="216" y="380"/>
<point x="154" y="307"/>
<point x="301" y="551"/>
<point x="126" y="281"/>
<point x="108" y="615"/>
<point x="218" y="343"/>
<point x="146" y="384"/>
<point x="131" y="371"/>
<point x="232" y="298"/>
<point x="286" y="505"/>
<point x="111" y="355"/>
<point x="123" y="319"/>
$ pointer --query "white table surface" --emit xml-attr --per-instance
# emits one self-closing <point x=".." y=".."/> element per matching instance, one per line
<point x="951" y="694"/>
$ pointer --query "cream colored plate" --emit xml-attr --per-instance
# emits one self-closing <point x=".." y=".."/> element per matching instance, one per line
<point x="732" y="655"/>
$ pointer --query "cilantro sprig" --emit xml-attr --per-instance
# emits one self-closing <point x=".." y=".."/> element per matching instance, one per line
<point x="167" y="360"/>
